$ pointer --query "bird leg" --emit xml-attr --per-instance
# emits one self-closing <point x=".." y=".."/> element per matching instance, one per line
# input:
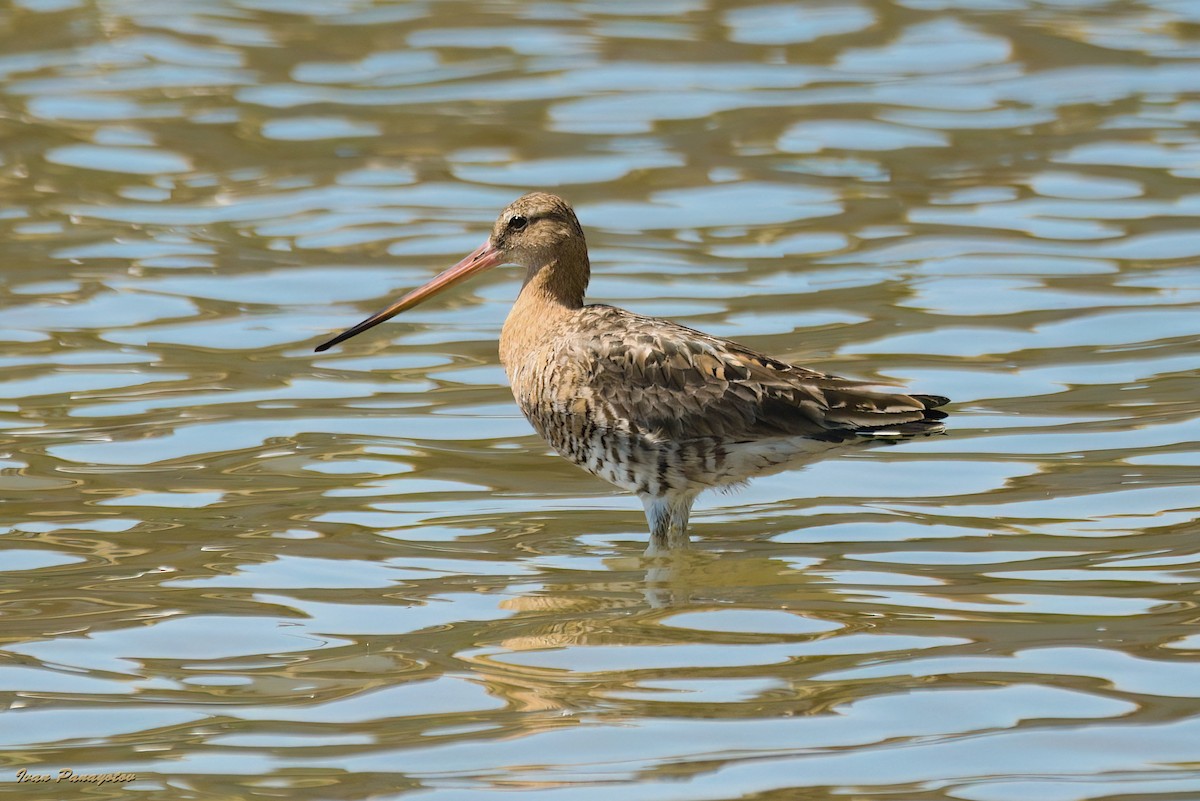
<point x="668" y="519"/>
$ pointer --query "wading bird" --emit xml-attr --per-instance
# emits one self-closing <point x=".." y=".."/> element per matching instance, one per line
<point x="654" y="407"/>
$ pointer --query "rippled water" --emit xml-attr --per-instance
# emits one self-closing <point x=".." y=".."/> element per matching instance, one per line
<point x="240" y="569"/>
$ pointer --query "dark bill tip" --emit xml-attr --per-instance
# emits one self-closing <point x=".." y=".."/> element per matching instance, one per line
<point x="480" y="259"/>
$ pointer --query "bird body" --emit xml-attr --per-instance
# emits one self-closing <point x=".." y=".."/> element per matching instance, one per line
<point x="656" y="408"/>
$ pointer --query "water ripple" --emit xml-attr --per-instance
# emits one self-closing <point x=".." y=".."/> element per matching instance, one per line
<point x="234" y="566"/>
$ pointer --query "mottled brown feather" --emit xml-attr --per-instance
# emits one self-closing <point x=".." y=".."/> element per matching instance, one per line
<point x="672" y="382"/>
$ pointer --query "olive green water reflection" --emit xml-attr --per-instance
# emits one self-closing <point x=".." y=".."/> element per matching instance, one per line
<point x="240" y="569"/>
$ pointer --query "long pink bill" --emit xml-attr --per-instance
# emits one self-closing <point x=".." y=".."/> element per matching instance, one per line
<point x="480" y="259"/>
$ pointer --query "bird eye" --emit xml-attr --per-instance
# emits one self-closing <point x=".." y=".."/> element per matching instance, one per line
<point x="517" y="223"/>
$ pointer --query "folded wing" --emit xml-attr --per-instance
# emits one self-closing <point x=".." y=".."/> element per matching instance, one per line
<point x="666" y="380"/>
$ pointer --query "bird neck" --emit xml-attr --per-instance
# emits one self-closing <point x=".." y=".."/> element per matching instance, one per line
<point x="549" y="298"/>
<point x="560" y="282"/>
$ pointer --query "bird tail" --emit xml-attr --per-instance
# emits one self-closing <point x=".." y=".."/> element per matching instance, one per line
<point x="930" y="423"/>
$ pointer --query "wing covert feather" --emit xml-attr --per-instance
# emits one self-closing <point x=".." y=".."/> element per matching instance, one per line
<point x="667" y="380"/>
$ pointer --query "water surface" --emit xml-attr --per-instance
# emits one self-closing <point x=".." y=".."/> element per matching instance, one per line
<point x="240" y="569"/>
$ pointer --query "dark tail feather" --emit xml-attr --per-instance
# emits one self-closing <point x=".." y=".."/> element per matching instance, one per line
<point x="931" y="401"/>
<point x="928" y="425"/>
